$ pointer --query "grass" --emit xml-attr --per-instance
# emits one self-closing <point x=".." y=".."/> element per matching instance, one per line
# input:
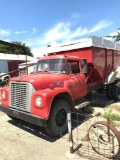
<point x="112" y="117"/>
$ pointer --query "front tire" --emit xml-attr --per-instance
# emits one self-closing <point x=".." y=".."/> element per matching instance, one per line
<point x="57" y="123"/>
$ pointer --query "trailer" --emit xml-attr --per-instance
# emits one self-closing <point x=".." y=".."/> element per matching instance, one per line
<point x="62" y="81"/>
<point x="103" y="61"/>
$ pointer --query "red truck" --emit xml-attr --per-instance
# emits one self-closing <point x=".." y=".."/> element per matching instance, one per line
<point x="61" y="82"/>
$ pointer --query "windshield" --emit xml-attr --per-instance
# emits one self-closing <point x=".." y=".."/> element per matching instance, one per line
<point x="52" y="65"/>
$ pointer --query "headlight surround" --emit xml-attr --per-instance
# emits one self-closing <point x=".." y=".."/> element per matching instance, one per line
<point x="3" y="95"/>
<point x="38" y="100"/>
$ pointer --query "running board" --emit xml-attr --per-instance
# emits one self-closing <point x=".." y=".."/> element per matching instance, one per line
<point x="81" y="105"/>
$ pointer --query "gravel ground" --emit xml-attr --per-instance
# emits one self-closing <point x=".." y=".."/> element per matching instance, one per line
<point x="23" y="141"/>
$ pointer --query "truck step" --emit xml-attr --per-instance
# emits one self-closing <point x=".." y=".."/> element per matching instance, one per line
<point x="81" y="105"/>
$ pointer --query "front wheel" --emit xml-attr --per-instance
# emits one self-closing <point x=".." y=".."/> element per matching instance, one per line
<point x="57" y="123"/>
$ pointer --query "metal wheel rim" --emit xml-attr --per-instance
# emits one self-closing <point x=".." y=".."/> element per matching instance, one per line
<point x="105" y="150"/>
<point x="61" y="117"/>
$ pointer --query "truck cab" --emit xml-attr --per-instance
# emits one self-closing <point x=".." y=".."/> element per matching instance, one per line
<point x="46" y="96"/>
<point x="67" y="70"/>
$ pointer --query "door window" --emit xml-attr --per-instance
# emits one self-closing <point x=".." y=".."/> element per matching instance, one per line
<point x="73" y="67"/>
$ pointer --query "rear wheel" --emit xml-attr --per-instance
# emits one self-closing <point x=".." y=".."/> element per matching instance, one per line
<point x="109" y="91"/>
<point x="101" y="90"/>
<point x="116" y="90"/>
<point x="57" y="123"/>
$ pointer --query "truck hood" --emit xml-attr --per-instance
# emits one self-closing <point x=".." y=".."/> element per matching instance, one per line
<point x="42" y="80"/>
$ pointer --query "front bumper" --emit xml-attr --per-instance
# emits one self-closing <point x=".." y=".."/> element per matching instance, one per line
<point x="24" y="116"/>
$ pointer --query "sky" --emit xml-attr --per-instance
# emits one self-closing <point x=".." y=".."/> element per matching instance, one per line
<point x="39" y="23"/>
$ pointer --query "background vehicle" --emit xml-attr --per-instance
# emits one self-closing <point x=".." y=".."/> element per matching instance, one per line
<point x="4" y="78"/>
<point x="31" y="67"/>
<point x="62" y="81"/>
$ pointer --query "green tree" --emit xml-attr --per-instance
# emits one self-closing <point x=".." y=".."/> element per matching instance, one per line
<point x="115" y="37"/>
<point x="15" y="50"/>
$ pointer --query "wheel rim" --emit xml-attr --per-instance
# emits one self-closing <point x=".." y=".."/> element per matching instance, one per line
<point x="61" y="117"/>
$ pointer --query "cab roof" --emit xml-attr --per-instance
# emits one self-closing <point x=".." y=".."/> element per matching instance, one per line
<point x="58" y="56"/>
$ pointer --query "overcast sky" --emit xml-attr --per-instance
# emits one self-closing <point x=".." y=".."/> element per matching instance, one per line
<point x="40" y="23"/>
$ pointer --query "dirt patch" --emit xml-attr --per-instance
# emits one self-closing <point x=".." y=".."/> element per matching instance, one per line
<point x="23" y="141"/>
<point x="1" y="113"/>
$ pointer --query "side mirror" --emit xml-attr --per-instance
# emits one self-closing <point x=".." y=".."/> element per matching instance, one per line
<point x="84" y="66"/>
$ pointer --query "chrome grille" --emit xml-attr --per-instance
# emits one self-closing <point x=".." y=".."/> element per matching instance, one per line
<point x="20" y="95"/>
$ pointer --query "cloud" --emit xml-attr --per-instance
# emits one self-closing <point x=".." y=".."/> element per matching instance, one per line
<point x="114" y="33"/>
<point x="62" y="32"/>
<point x="58" y="32"/>
<point x="39" y="51"/>
<point x="4" y="32"/>
<point x="100" y="25"/>
<point x="20" y="32"/>
<point x="75" y="15"/>
<point x="111" y="34"/>
<point x="34" y="31"/>
<point x="7" y="40"/>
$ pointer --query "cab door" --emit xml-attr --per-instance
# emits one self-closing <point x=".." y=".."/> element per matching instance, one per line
<point x="77" y="84"/>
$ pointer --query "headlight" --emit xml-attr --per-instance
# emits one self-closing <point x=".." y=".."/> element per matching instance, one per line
<point x="3" y="95"/>
<point x="38" y="100"/>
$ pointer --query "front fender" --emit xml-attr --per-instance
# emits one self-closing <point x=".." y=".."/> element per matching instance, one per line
<point x="47" y="96"/>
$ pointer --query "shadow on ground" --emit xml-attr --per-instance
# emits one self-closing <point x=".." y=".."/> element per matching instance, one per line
<point x="98" y="100"/>
<point x="33" y="129"/>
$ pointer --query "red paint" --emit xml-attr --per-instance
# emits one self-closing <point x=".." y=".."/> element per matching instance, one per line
<point x="47" y="96"/>
<point x="100" y="61"/>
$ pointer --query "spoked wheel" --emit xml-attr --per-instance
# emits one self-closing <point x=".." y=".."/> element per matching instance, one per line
<point x="105" y="139"/>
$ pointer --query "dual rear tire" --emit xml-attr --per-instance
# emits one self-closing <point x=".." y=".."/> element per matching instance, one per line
<point x="113" y="91"/>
